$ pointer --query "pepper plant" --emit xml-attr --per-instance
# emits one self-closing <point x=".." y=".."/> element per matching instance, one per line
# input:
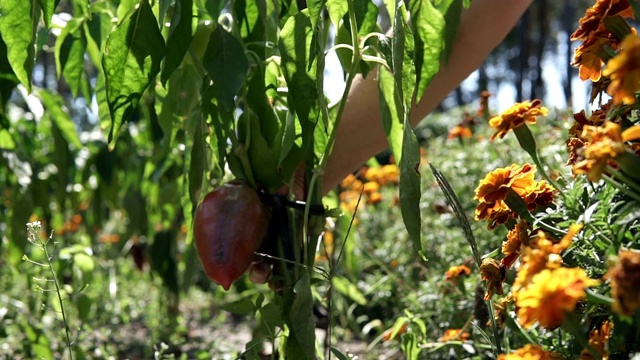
<point x="163" y="101"/>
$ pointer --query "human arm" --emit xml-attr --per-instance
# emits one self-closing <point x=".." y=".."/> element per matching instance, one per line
<point x="360" y="134"/>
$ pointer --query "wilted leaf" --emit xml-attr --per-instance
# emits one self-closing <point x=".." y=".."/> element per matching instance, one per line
<point x="131" y="62"/>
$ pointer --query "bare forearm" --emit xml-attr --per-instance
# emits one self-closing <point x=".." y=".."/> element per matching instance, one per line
<point x="361" y="135"/>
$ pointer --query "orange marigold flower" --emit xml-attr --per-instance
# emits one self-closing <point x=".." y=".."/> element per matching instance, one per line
<point x="371" y="187"/>
<point x="483" y="109"/>
<point x="592" y="19"/>
<point x="501" y="308"/>
<point x="517" y="115"/>
<point x="495" y="186"/>
<point x="389" y="174"/>
<point x="454" y="334"/>
<point x="389" y="335"/>
<point x="550" y="294"/>
<point x="516" y="237"/>
<point x="455" y="272"/>
<point x="346" y="182"/>
<point x="539" y="194"/>
<point x="588" y="56"/>
<point x="374" y="198"/>
<point x="530" y="352"/>
<point x="624" y="71"/>
<point x="625" y="282"/>
<point x="598" y="339"/>
<point x="459" y="132"/>
<point x="493" y="273"/>
<point x="605" y="143"/>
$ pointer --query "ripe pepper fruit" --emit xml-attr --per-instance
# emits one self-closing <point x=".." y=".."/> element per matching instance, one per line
<point x="229" y="226"/>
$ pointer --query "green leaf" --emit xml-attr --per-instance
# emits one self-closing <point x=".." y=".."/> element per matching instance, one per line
<point x="301" y="315"/>
<point x="338" y="354"/>
<point x="197" y="164"/>
<point x="227" y="65"/>
<point x="391" y="112"/>
<point x="131" y="62"/>
<point x="337" y="10"/>
<point x="183" y="25"/>
<point x="295" y="45"/>
<point x="402" y="50"/>
<point x="54" y="105"/>
<point x="48" y="8"/>
<point x="452" y="10"/>
<point x="428" y="26"/>
<point x="69" y="54"/>
<point x="315" y="10"/>
<point x="18" y="30"/>
<point x="242" y="306"/>
<point x="349" y="289"/>
<point x="410" y="186"/>
<point x="6" y="140"/>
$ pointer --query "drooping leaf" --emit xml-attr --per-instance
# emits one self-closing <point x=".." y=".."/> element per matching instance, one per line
<point x="48" y="7"/>
<point x="18" y="30"/>
<point x="301" y="315"/>
<point x="410" y="186"/>
<point x="315" y="9"/>
<point x="391" y="112"/>
<point x="337" y="10"/>
<point x="227" y="65"/>
<point x="452" y="9"/>
<point x="428" y="26"/>
<point x="54" y="106"/>
<point x="402" y="49"/>
<point x="8" y="81"/>
<point x="69" y="51"/>
<point x="183" y="25"/>
<point x="131" y="61"/>
<point x="295" y="46"/>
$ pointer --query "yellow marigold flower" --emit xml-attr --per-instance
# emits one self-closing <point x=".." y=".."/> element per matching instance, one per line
<point x="349" y="200"/>
<point x="530" y="352"/>
<point x="625" y="282"/>
<point x="605" y="143"/>
<point x="592" y="20"/>
<point x="493" y="273"/>
<point x="454" y="334"/>
<point x="598" y="339"/>
<point x="459" y="132"/>
<point x="455" y="272"/>
<point x="372" y="174"/>
<point x="517" y="115"/>
<point x="550" y="294"/>
<point x="542" y="253"/>
<point x="624" y="71"/>
<point x="501" y="308"/>
<point x="597" y="118"/>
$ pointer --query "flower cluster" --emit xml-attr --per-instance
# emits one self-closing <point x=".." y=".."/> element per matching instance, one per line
<point x="494" y="188"/>
<point x="368" y="183"/>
